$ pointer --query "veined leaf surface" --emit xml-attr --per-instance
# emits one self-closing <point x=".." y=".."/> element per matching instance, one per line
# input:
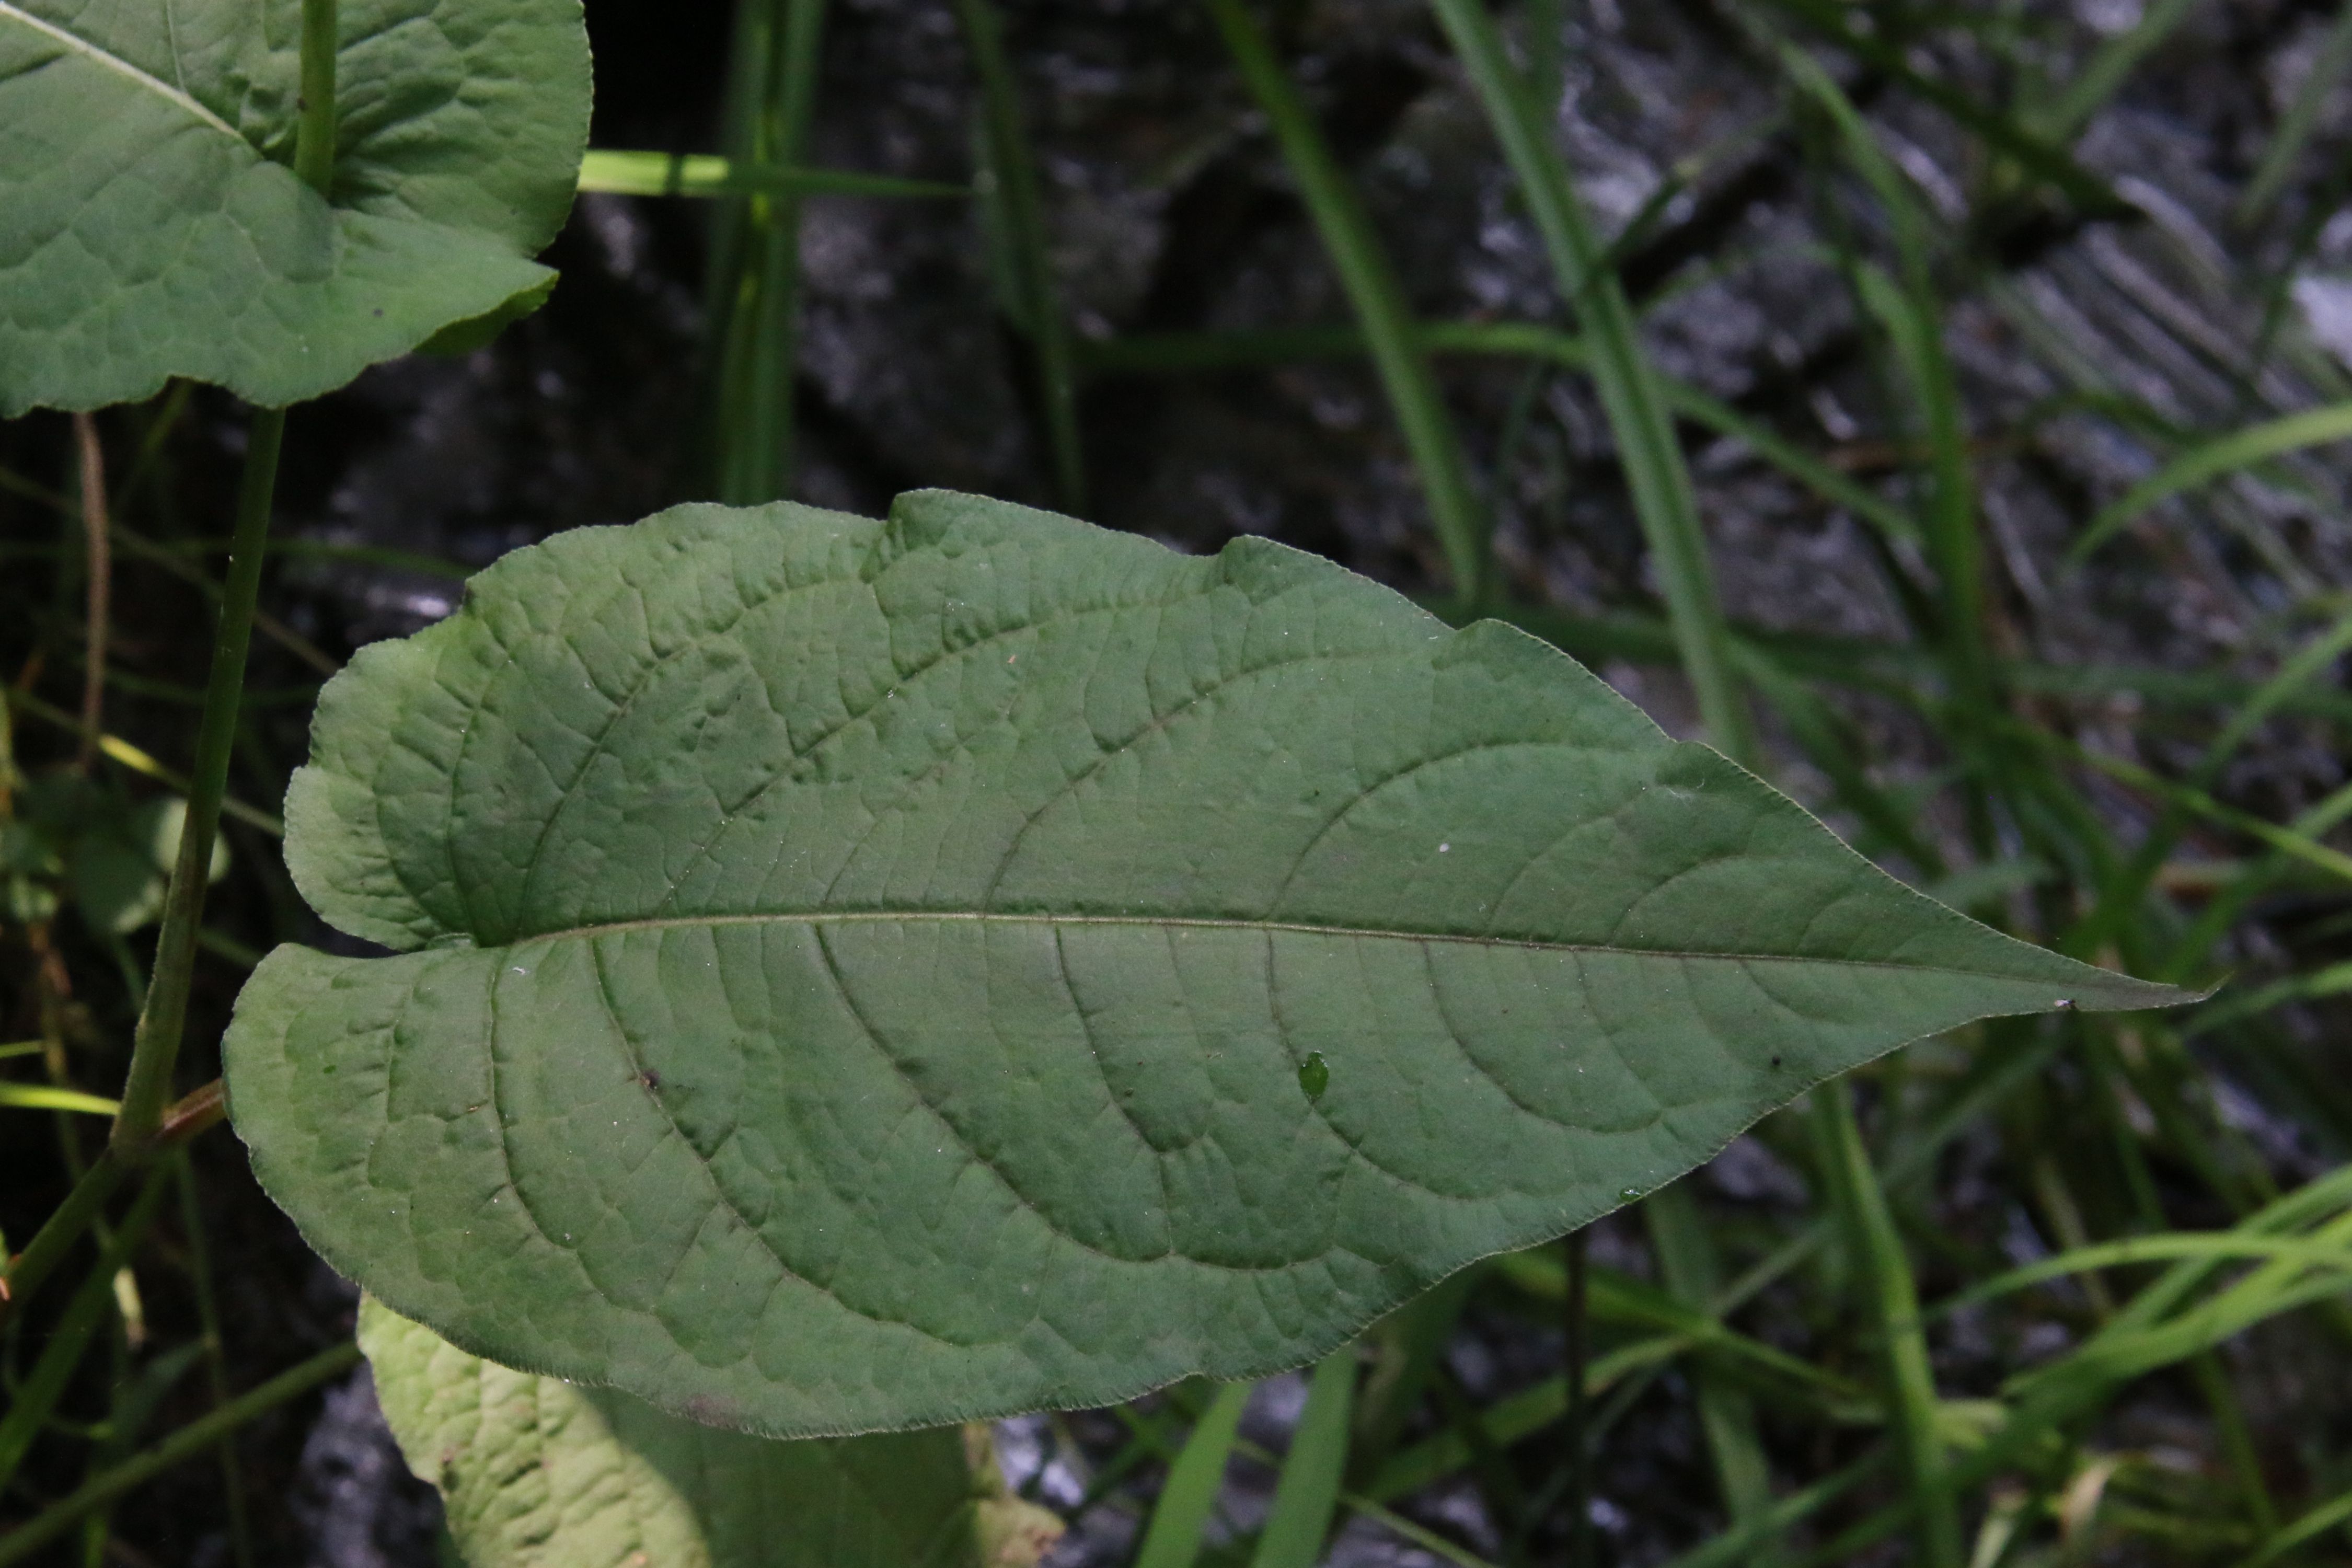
<point x="863" y="975"/>
<point x="150" y="226"/>
<point x="537" y="1473"/>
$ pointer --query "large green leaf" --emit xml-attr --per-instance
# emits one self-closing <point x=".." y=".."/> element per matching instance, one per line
<point x="537" y="1473"/>
<point x="150" y="225"/>
<point x="865" y="974"/>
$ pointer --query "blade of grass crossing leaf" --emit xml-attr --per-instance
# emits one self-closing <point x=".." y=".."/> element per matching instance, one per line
<point x="1014" y="186"/>
<point x="1374" y="293"/>
<point x="2211" y="460"/>
<point x="1638" y="417"/>
<point x="1308" y="1491"/>
<point x="1172" y="1540"/>
<point x="1911" y="1382"/>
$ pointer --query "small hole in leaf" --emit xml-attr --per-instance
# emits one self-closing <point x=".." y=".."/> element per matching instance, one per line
<point x="1775" y="1061"/>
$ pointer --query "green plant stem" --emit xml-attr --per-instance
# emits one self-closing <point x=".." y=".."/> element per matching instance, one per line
<point x="755" y="287"/>
<point x="1375" y="294"/>
<point x="200" y="1276"/>
<point x="33" y="1400"/>
<point x="185" y="1444"/>
<point x="1020" y="193"/>
<point x="87" y="1200"/>
<point x="1688" y="1262"/>
<point x="314" y="144"/>
<point x="1907" y="306"/>
<point x="1630" y="395"/>
<point x="156" y="1046"/>
<point x="1911" y="1382"/>
<point x="1578" y="1323"/>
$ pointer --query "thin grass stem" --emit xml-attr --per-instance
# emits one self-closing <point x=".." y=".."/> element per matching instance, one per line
<point x="1376" y="296"/>
<point x="1638" y="416"/>
<point x="179" y="1447"/>
<point x="1017" y="188"/>
<point x="33" y="1400"/>
<point x="1911" y="1384"/>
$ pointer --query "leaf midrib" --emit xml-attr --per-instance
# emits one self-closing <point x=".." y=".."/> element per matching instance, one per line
<point x="1210" y="922"/>
<point x="120" y="66"/>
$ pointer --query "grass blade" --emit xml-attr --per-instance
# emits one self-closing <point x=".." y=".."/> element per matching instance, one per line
<point x="2043" y="158"/>
<point x="754" y="288"/>
<point x="2222" y="1246"/>
<point x="1012" y="185"/>
<point x="638" y="173"/>
<point x="2211" y="460"/>
<point x="1911" y="1381"/>
<point x="2337" y="1510"/>
<point x="1910" y="312"/>
<point x="1638" y="417"/>
<point x="182" y="1445"/>
<point x="32" y="1401"/>
<point x="1376" y="296"/>
<point x="41" y="1096"/>
<point x="1514" y="1418"/>
<point x="1735" y="1546"/>
<point x="1173" y="1537"/>
<point x="1407" y="1344"/>
<point x="2111" y="65"/>
<point x="1165" y="354"/>
<point x="1694" y="1274"/>
<point x="2302" y="117"/>
<point x="1308" y="1491"/>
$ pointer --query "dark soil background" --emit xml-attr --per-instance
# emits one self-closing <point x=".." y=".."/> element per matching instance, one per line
<point x="1172" y="212"/>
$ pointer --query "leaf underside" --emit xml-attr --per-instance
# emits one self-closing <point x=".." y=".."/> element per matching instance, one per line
<point x="859" y="974"/>
<point x="150" y="225"/>
<point x="536" y="1473"/>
